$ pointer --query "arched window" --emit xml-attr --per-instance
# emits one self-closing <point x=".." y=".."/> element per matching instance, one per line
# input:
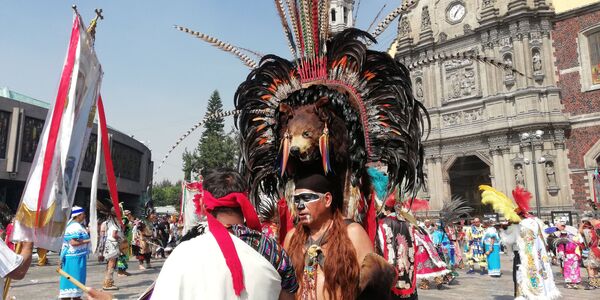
<point x="333" y="15"/>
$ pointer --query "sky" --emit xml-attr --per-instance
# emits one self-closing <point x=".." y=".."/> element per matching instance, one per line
<point x="157" y="80"/>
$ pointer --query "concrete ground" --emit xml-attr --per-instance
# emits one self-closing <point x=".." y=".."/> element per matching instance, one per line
<point x="42" y="283"/>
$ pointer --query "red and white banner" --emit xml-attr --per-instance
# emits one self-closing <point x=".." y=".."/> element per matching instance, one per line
<point x="50" y="189"/>
<point x="188" y="209"/>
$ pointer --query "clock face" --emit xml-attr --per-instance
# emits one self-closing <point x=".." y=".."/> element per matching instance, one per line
<point x="455" y="12"/>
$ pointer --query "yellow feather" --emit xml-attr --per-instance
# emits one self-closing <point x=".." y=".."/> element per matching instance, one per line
<point x="499" y="202"/>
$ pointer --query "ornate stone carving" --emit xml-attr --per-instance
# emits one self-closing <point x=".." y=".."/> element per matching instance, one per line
<point x="559" y="135"/>
<point x="404" y="27"/>
<point x="506" y="43"/>
<point x="425" y="19"/>
<point x="509" y="75"/>
<point x="467" y="29"/>
<point x="443" y="37"/>
<point x="498" y="141"/>
<point x="488" y="3"/>
<point x="460" y="74"/>
<point x="535" y="38"/>
<point x="463" y="117"/>
<point x="536" y="57"/>
<point x="519" y="176"/>
<point x="419" y="88"/>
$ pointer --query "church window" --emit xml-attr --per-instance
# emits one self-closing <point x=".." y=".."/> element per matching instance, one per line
<point x="594" y="48"/>
<point x="333" y="15"/>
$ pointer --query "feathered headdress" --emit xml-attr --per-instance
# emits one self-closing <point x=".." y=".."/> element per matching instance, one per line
<point x="522" y="198"/>
<point x="499" y="202"/>
<point x="454" y="210"/>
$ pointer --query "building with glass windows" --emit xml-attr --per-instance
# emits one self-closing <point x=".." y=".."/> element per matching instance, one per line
<point x="21" y="123"/>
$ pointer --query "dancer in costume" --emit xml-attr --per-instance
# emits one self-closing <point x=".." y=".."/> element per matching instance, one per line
<point x="326" y="251"/>
<point x="122" y="264"/>
<point x="476" y="252"/>
<point x="445" y="249"/>
<point x="74" y="254"/>
<point x="429" y="264"/>
<point x="491" y="242"/>
<point x="231" y="259"/>
<point x="395" y="242"/>
<point x="569" y="252"/>
<point x="532" y="271"/>
<point x="114" y="237"/>
<point x="591" y="236"/>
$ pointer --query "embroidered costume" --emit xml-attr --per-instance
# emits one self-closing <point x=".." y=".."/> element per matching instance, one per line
<point x="395" y="242"/>
<point x="567" y="248"/>
<point x="429" y="263"/>
<point x="476" y="252"/>
<point x="532" y="267"/>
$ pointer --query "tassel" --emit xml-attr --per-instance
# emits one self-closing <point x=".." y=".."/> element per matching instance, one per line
<point x="285" y="151"/>
<point x="324" y="149"/>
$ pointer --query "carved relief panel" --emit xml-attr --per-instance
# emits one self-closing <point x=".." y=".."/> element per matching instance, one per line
<point x="463" y="117"/>
<point x="461" y="79"/>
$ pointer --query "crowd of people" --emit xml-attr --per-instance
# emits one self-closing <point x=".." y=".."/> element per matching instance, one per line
<point x="151" y="237"/>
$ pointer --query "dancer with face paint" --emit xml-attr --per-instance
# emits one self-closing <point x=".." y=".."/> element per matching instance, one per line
<point x="334" y="260"/>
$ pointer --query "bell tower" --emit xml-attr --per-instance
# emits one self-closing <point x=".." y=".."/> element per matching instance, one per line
<point x="340" y="15"/>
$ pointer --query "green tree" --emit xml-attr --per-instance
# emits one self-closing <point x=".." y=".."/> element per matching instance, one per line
<point x="166" y="193"/>
<point x="216" y="148"/>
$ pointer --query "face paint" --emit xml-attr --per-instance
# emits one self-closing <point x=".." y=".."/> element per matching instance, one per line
<point x="304" y="198"/>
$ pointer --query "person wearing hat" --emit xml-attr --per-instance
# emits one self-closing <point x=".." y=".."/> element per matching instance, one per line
<point x="334" y="260"/>
<point x="230" y="258"/>
<point x="74" y="254"/>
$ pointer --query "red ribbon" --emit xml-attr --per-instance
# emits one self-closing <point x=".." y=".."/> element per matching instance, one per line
<point x="57" y="114"/>
<point x="108" y="163"/>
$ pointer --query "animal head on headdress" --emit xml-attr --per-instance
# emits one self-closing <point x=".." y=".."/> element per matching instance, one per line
<point x="365" y="99"/>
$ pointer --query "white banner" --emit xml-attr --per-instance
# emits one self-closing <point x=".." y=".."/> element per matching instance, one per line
<point x="44" y="222"/>
<point x="190" y="218"/>
<point x="94" y="192"/>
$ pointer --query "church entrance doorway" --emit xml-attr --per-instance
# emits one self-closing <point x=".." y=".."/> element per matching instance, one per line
<point x="466" y="174"/>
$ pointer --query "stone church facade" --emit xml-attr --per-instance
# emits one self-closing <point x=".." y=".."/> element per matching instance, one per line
<point x="479" y="112"/>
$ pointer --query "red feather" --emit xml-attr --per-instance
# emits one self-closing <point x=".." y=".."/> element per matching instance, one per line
<point x="522" y="197"/>
<point x="417" y="204"/>
<point x="391" y="200"/>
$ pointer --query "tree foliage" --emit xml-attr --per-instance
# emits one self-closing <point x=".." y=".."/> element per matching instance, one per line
<point x="167" y="193"/>
<point x="216" y="148"/>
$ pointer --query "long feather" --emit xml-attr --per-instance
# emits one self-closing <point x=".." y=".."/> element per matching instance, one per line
<point x="455" y="210"/>
<point x="376" y="18"/>
<point x="198" y="125"/>
<point x="500" y="203"/>
<point x="390" y="17"/>
<point x="221" y="45"/>
<point x="522" y="197"/>
<point x="286" y="27"/>
<point x="463" y="55"/>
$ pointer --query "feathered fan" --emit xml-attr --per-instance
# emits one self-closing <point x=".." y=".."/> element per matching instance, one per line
<point x="499" y="202"/>
<point x="455" y="210"/>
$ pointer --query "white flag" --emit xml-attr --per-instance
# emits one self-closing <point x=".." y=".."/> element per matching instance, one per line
<point x="50" y="189"/>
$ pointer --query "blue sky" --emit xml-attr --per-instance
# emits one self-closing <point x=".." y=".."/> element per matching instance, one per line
<point x="157" y="80"/>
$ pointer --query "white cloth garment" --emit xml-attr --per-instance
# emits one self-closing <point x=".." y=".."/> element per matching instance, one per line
<point x="197" y="270"/>
<point x="8" y="260"/>
<point x="534" y="278"/>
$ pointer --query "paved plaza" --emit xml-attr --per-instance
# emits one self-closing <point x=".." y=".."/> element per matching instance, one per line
<point x="42" y="283"/>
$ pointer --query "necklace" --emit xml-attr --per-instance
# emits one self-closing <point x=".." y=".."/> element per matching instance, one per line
<point x="313" y="259"/>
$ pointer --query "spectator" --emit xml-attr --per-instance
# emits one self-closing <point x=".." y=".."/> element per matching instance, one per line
<point x="74" y="254"/>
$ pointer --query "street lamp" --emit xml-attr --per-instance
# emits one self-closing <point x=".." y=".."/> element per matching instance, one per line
<point x="527" y="137"/>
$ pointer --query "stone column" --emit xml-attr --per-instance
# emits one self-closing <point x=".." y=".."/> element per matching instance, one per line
<point x="541" y="175"/>
<point x="509" y="173"/>
<point x="520" y="52"/>
<point x="561" y="168"/>
<point x="499" y="178"/>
